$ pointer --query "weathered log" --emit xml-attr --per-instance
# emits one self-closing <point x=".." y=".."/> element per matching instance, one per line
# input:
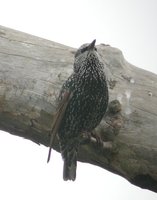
<point x="32" y="71"/>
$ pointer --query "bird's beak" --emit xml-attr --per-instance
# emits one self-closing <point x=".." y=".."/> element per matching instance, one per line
<point x="91" y="45"/>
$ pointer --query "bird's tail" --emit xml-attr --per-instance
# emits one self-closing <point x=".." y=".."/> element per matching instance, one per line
<point x="70" y="162"/>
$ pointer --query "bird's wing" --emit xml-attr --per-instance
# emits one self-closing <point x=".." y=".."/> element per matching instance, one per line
<point x="58" y="118"/>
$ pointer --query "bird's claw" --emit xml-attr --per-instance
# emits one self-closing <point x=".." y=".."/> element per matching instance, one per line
<point x="90" y="137"/>
<point x="86" y="137"/>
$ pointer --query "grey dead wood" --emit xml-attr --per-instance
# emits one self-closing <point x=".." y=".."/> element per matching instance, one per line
<point x="32" y="71"/>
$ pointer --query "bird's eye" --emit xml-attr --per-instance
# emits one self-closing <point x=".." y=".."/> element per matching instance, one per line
<point x="84" y="49"/>
<point x="78" y="52"/>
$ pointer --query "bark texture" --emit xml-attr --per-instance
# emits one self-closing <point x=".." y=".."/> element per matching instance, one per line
<point x="32" y="71"/>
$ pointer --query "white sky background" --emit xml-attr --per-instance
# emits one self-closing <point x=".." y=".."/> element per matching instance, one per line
<point x="130" y="25"/>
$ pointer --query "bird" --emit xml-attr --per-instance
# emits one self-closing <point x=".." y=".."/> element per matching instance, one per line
<point x="83" y="101"/>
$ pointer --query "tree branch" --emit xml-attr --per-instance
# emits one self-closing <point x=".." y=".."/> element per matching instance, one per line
<point x="32" y="71"/>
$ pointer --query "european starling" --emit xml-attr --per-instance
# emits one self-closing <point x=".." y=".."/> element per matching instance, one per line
<point x="83" y="103"/>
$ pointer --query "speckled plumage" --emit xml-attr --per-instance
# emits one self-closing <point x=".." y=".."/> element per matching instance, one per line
<point x="86" y="107"/>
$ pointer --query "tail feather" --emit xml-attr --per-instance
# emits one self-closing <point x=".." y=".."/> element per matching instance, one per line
<point x="69" y="172"/>
<point x="70" y="165"/>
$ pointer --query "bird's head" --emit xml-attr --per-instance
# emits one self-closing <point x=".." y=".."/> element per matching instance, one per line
<point x="85" y="49"/>
<point x="87" y="57"/>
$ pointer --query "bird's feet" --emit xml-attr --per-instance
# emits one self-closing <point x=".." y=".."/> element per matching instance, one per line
<point x="96" y="141"/>
<point x="92" y="137"/>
